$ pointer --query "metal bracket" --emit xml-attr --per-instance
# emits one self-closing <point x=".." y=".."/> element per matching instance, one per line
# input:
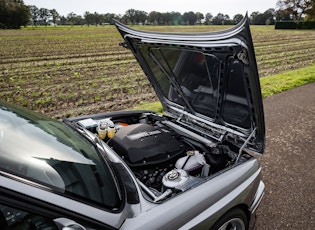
<point x="244" y="145"/>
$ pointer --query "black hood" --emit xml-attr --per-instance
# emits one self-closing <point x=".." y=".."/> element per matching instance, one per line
<point x="208" y="81"/>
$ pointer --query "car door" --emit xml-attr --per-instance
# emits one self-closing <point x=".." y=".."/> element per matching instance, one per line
<point x="18" y="211"/>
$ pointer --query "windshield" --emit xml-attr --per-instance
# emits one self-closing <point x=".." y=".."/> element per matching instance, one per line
<point x="50" y="153"/>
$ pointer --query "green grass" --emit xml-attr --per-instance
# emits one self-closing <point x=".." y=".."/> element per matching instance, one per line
<point x="288" y="80"/>
<point x="269" y="85"/>
<point x="154" y="106"/>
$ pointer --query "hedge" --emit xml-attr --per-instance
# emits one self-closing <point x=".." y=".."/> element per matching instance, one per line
<point x="295" y="25"/>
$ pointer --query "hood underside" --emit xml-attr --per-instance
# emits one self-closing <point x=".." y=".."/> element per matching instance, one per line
<point x="208" y="81"/>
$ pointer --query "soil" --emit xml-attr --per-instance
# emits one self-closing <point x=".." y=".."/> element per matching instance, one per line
<point x="289" y="161"/>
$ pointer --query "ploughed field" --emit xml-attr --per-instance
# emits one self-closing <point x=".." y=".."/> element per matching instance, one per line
<point x="70" y="71"/>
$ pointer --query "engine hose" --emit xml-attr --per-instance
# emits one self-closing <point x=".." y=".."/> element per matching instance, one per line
<point x="193" y="144"/>
<point x="186" y="161"/>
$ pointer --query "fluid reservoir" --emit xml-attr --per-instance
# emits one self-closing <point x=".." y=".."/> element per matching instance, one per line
<point x="175" y="178"/>
<point x="102" y="130"/>
<point x="179" y="179"/>
<point x="192" y="161"/>
<point x="111" y="130"/>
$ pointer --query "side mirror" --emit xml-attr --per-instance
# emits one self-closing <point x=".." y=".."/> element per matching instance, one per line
<point x="66" y="224"/>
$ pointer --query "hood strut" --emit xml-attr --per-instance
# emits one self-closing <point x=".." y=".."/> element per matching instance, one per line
<point x="244" y="145"/>
<point x="171" y="77"/>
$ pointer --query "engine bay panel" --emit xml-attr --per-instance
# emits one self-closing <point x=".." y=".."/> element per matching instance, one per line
<point x="143" y="144"/>
<point x="165" y="157"/>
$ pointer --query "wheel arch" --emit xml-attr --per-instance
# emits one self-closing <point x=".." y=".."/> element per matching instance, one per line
<point x="240" y="207"/>
<point x="245" y="209"/>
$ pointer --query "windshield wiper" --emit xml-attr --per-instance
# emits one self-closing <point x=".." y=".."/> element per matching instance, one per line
<point x="84" y="132"/>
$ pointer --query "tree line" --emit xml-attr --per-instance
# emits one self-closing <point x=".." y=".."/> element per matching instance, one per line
<point x="14" y="13"/>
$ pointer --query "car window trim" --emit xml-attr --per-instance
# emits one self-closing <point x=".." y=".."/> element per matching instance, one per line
<point x="30" y="204"/>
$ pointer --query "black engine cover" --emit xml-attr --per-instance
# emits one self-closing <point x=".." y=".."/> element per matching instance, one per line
<point x="142" y="144"/>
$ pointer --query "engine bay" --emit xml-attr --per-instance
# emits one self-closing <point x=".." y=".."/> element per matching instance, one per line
<point x="165" y="158"/>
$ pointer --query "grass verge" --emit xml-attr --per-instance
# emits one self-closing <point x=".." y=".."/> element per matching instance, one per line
<point x="288" y="80"/>
<point x="269" y="85"/>
<point x="154" y="106"/>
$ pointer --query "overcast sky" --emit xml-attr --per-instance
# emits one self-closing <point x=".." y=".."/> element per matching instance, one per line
<point x="230" y="7"/>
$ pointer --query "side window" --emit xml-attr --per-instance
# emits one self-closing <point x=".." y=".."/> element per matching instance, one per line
<point x="15" y="219"/>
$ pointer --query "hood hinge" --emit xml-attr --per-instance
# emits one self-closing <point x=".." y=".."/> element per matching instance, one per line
<point x="124" y="44"/>
<point x="244" y="145"/>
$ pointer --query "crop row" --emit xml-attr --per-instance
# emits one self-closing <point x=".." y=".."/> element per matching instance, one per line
<point x="71" y="71"/>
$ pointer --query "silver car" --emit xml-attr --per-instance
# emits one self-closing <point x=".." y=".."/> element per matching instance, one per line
<point x="191" y="168"/>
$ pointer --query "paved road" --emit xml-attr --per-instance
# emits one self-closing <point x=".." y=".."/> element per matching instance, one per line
<point x="289" y="161"/>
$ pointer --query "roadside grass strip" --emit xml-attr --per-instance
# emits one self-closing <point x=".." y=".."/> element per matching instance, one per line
<point x="281" y="82"/>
